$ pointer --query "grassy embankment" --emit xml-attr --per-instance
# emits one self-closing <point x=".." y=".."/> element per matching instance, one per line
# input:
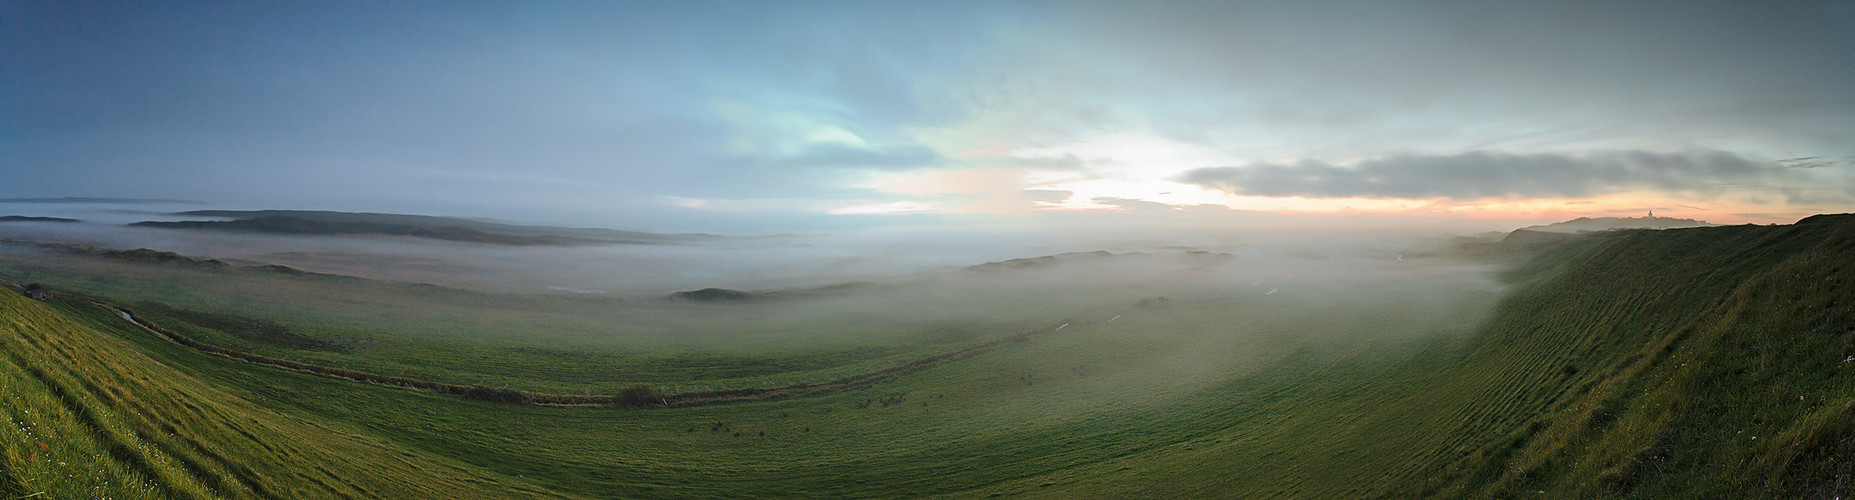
<point x="1707" y="362"/>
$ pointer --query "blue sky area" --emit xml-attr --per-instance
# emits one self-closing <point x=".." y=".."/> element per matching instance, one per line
<point x="806" y="115"/>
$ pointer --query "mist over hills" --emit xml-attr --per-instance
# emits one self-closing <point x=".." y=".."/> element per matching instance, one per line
<point x="1189" y="257"/>
<point x="1546" y="235"/>
<point x="101" y="201"/>
<point x="934" y="250"/>
<point x="1100" y="264"/>
<point x="726" y="295"/>
<point x="304" y="222"/>
<point x="24" y="218"/>
<point x="1697" y="362"/>
<point x="1582" y="224"/>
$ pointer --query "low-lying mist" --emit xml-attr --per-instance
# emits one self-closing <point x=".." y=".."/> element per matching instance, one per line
<point x="1197" y="299"/>
<point x="758" y="262"/>
<point x="1074" y="327"/>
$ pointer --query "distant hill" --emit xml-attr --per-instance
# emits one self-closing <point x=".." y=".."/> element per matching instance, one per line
<point x="1198" y="258"/>
<point x="101" y="201"/>
<point x="139" y="255"/>
<point x="1180" y="258"/>
<point x="1583" y="224"/>
<point x="731" y="295"/>
<point x="22" y="218"/>
<point x="1524" y="239"/>
<point x="1532" y="238"/>
<point x="306" y="222"/>
<point x="1191" y="257"/>
<point x="1039" y="262"/>
<point x="157" y="257"/>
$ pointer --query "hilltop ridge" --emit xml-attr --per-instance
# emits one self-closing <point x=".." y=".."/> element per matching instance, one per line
<point x="1583" y="224"/>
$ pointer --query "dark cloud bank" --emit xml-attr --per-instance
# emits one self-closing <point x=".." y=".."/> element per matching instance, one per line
<point x="1482" y="174"/>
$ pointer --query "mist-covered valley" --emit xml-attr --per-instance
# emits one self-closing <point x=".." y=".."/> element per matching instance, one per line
<point x="829" y="249"/>
<point x="857" y="300"/>
<point x="920" y="337"/>
<point x="1089" y="364"/>
<point x="761" y="262"/>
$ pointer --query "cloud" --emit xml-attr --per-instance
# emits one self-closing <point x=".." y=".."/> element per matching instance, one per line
<point x="976" y="181"/>
<point x="1047" y="195"/>
<point x="1816" y="162"/>
<point x="1356" y="81"/>
<point x="1144" y="207"/>
<point x="850" y="156"/>
<point x="889" y="208"/>
<point x="1063" y="162"/>
<point x="1485" y="174"/>
<point x="602" y="108"/>
<point x="977" y="190"/>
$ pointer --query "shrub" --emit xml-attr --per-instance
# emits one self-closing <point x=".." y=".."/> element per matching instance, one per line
<point x="638" y="395"/>
<point x="505" y="395"/>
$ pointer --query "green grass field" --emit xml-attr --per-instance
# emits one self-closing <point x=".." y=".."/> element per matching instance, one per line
<point x="1703" y="362"/>
<point x="90" y="415"/>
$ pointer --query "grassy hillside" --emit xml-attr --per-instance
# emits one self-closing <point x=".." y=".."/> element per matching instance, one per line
<point x="1687" y="363"/>
<point x="1706" y="362"/>
<point x="1693" y="363"/>
<point x="88" y="416"/>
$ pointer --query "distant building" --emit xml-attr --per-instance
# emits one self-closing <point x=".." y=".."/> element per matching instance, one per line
<point x="37" y="291"/>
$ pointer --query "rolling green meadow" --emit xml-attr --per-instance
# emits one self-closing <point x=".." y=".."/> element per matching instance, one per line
<point x="1681" y="363"/>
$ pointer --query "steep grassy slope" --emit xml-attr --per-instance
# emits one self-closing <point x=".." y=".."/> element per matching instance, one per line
<point x="1691" y="363"/>
<point x="1703" y="362"/>
<point x="87" y="416"/>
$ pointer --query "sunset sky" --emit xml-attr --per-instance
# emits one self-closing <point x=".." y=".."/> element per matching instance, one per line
<point x="791" y="116"/>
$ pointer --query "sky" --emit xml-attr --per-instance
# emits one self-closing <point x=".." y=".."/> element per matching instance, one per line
<point x="759" y="117"/>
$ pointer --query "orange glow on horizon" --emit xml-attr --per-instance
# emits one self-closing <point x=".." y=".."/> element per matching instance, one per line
<point x="1557" y="209"/>
<point x="1539" y="209"/>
